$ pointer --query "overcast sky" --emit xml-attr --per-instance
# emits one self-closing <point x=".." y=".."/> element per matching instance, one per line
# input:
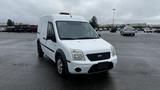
<point x="127" y="11"/>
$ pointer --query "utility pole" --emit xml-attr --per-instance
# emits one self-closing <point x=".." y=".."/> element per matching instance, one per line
<point x="113" y="15"/>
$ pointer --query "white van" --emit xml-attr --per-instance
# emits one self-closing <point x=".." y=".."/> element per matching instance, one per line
<point x="74" y="45"/>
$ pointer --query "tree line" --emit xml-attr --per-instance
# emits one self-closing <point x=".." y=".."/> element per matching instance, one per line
<point x="93" y="22"/>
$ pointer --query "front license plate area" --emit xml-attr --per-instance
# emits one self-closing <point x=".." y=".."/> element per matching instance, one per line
<point x="103" y="65"/>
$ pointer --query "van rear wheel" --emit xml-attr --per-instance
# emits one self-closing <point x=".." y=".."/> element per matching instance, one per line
<point x="39" y="49"/>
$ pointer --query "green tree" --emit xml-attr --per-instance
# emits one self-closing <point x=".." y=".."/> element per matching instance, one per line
<point x="10" y="22"/>
<point x="94" y="22"/>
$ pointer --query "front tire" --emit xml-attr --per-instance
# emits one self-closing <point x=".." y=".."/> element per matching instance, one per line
<point x="61" y="67"/>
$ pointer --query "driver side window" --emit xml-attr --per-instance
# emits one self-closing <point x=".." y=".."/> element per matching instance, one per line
<point x="50" y="29"/>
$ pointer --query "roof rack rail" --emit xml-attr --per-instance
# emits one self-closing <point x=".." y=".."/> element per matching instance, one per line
<point x="64" y="13"/>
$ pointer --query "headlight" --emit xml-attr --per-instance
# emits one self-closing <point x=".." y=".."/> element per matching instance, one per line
<point x="77" y="55"/>
<point x="113" y="51"/>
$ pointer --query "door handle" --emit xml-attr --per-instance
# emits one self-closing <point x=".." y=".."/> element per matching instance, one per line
<point x="44" y="38"/>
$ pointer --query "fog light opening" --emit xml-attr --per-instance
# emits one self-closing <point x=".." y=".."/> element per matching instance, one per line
<point x="78" y="69"/>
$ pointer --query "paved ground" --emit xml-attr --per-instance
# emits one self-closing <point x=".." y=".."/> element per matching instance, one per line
<point x="138" y="65"/>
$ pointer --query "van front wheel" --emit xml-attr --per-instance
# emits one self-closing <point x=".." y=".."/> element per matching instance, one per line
<point x="61" y="67"/>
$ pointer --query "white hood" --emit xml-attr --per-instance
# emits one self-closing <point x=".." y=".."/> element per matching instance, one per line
<point x="88" y="45"/>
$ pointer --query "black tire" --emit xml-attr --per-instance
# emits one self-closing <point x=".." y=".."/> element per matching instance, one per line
<point x="63" y="68"/>
<point x="133" y="35"/>
<point x="122" y="34"/>
<point x="39" y="49"/>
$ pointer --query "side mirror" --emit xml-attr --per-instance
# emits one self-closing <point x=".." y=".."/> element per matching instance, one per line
<point x="51" y="37"/>
<point x="99" y="35"/>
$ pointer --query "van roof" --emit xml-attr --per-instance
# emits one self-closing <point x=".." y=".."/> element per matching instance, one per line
<point x="61" y="17"/>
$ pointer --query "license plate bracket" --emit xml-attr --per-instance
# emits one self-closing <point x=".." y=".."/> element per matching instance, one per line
<point x="103" y="65"/>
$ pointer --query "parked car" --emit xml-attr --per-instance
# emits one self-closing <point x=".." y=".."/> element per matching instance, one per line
<point x="140" y="29"/>
<point x="113" y="29"/>
<point x="2" y="29"/>
<point x="74" y="45"/>
<point x="157" y="31"/>
<point x="149" y="30"/>
<point x="128" y="31"/>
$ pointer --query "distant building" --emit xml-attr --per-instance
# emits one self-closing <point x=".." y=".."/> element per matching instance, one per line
<point x="22" y="28"/>
<point x="138" y="24"/>
<point x="18" y="27"/>
<point x="25" y="28"/>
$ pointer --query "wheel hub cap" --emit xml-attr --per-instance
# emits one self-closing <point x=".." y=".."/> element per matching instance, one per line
<point x="59" y="66"/>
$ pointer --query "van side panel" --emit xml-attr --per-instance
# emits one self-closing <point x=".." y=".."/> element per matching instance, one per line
<point x="42" y="32"/>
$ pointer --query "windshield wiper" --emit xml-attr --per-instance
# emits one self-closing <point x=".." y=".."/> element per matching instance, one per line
<point x="79" y="38"/>
<point x="87" y="38"/>
<point x="68" y="38"/>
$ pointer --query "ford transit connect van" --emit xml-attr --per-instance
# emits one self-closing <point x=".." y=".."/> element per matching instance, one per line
<point x="74" y="45"/>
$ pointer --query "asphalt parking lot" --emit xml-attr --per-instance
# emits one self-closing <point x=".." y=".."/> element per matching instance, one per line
<point x="138" y="65"/>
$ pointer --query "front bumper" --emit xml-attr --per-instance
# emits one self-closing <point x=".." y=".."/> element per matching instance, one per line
<point x="91" y="66"/>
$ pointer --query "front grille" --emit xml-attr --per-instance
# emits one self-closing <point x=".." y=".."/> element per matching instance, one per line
<point x="98" y="56"/>
<point x="101" y="67"/>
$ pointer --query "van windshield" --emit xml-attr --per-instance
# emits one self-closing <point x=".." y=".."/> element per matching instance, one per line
<point x="71" y="30"/>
